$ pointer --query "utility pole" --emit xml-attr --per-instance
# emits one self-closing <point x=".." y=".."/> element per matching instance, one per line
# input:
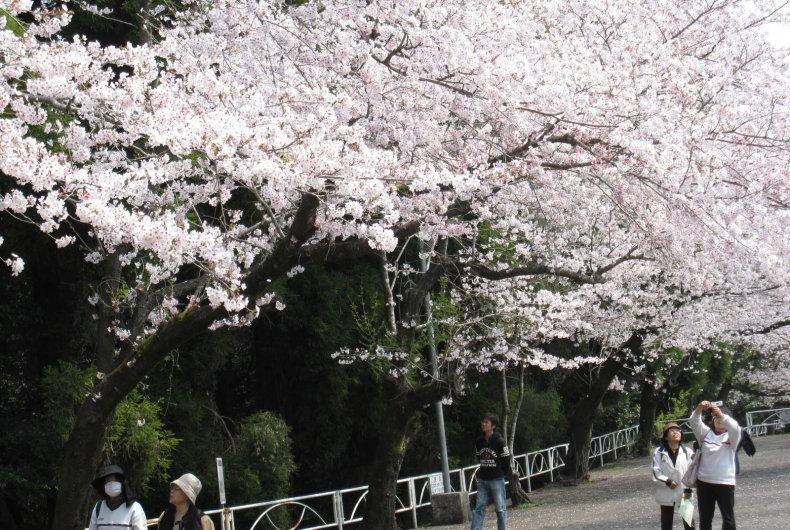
<point x="424" y="260"/>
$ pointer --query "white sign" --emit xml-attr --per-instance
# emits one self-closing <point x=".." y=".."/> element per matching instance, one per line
<point x="437" y="484"/>
<point x="221" y="481"/>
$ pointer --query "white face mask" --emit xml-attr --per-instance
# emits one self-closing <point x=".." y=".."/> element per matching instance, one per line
<point x="112" y="489"/>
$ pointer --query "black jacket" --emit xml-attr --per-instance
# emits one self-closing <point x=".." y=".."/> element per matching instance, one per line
<point x="493" y="457"/>
<point x="748" y="447"/>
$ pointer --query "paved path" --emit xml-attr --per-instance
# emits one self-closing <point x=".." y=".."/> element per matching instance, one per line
<point x="620" y="496"/>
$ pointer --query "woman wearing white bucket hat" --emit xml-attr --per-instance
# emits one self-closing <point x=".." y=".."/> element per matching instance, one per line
<point x="182" y="514"/>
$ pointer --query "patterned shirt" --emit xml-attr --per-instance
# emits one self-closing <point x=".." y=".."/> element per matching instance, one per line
<point x="493" y="457"/>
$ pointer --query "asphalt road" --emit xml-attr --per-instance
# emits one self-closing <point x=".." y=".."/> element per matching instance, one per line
<point x="620" y="496"/>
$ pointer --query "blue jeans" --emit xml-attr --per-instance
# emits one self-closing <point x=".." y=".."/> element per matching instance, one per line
<point x="488" y="491"/>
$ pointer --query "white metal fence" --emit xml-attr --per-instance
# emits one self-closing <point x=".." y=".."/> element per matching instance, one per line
<point x="336" y="509"/>
<point x="339" y="508"/>
<point x="763" y="419"/>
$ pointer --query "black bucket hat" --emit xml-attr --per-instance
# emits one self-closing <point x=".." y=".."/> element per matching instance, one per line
<point x="98" y="482"/>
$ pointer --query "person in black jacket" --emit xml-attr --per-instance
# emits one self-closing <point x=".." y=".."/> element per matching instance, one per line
<point x="494" y="457"/>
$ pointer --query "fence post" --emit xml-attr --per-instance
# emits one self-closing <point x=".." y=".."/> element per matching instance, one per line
<point x="337" y="509"/>
<point x="413" y="501"/>
<point x="462" y="480"/>
<point x="226" y="521"/>
<point x="551" y="465"/>
<point x="615" y="445"/>
<point x="600" y="447"/>
<point x="528" y="470"/>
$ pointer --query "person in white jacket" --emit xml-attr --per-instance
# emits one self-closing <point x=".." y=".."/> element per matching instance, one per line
<point x="670" y="462"/>
<point x="718" y="440"/>
<point x="117" y="510"/>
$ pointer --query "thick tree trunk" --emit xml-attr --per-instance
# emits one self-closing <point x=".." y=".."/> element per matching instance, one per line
<point x="583" y="415"/>
<point x="648" y="403"/>
<point x="82" y="453"/>
<point x="395" y="431"/>
<point x="577" y="463"/>
<point x="724" y="391"/>
<point x="6" y="519"/>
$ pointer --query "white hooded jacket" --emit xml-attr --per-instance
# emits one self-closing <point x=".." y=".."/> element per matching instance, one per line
<point x="664" y="469"/>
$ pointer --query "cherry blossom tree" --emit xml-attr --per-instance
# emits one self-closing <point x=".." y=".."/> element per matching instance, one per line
<point x="583" y="167"/>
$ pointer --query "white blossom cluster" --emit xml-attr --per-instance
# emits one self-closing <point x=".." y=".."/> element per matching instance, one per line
<point x="636" y="151"/>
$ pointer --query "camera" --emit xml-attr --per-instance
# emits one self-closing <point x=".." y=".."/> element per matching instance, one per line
<point x="716" y="403"/>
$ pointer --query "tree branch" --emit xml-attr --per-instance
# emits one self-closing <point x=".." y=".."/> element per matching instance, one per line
<point x="768" y="329"/>
<point x="192" y="321"/>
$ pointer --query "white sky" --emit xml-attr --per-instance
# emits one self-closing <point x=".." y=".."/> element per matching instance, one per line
<point x="779" y="34"/>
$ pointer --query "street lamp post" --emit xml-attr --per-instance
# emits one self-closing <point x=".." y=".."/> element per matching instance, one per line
<point x="424" y="259"/>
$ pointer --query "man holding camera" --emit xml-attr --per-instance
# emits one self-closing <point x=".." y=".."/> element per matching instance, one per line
<point x="718" y="435"/>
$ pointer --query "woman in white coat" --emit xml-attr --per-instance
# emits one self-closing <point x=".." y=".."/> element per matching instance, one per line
<point x="718" y="436"/>
<point x="670" y="462"/>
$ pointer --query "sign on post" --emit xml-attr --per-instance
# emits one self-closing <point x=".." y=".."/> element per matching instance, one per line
<point x="221" y="481"/>
<point x="437" y="483"/>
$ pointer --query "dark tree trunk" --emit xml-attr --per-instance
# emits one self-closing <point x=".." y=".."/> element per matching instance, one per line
<point x="82" y="453"/>
<point x="6" y="519"/>
<point x="724" y="391"/>
<point x="577" y="463"/>
<point x="584" y="413"/>
<point x="397" y="426"/>
<point x="404" y="404"/>
<point x="648" y="402"/>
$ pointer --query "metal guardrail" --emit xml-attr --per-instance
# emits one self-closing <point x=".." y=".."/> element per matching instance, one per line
<point x="772" y="417"/>
<point x="336" y="509"/>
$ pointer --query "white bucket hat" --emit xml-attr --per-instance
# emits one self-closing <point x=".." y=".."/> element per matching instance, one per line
<point x="189" y="484"/>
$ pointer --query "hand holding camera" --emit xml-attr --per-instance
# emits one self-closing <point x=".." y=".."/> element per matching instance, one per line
<point x="712" y="405"/>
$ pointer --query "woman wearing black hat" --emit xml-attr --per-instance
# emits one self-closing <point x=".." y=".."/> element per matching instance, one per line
<point x="117" y="509"/>
<point x="670" y="462"/>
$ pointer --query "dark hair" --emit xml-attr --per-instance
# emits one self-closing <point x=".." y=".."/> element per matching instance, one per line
<point x="493" y="418"/>
<point x="190" y="521"/>
<point x="707" y="416"/>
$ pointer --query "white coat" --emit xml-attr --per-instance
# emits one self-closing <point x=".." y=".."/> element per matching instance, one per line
<point x="663" y="469"/>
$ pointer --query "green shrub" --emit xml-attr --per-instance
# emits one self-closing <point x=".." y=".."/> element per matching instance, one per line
<point x="261" y="463"/>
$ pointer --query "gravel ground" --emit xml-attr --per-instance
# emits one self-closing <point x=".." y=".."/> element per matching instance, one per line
<point x="620" y="496"/>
